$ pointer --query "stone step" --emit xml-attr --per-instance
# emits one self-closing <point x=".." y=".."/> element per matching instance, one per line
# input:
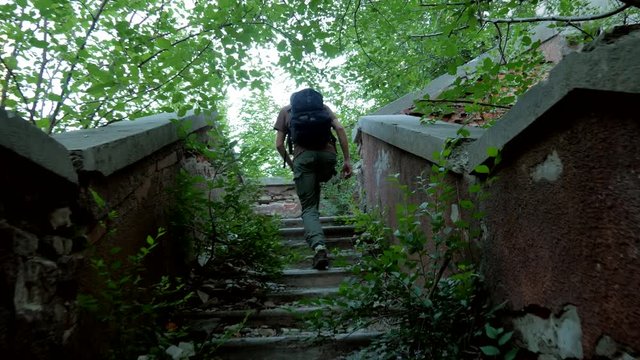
<point x="293" y="347"/>
<point x="289" y="233"/>
<point x="337" y="258"/>
<point x="332" y="243"/>
<point x="324" y="220"/>
<point x="311" y="278"/>
<point x="301" y="294"/>
<point x="276" y="318"/>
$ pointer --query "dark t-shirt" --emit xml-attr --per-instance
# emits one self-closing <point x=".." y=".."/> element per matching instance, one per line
<point x="282" y="124"/>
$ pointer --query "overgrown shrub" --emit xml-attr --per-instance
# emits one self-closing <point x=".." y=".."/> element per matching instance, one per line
<point x="215" y="219"/>
<point x="422" y="289"/>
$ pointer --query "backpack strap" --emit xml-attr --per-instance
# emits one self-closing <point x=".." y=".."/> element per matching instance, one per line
<point x="288" y="140"/>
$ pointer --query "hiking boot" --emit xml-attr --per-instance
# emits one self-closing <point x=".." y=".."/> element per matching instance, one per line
<point x="320" y="259"/>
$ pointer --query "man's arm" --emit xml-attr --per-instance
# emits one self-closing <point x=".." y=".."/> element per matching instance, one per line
<point x="280" y="135"/>
<point x="344" y="146"/>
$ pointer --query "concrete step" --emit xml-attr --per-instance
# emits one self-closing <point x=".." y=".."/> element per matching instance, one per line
<point x="293" y="347"/>
<point x="311" y="278"/>
<point x="301" y="294"/>
<point x="324" y="220"/>
<point x="276" y="318"/>
<point x="332" y="243"/>
<point x="290" y="233"/>
<point x="337" y="258"/>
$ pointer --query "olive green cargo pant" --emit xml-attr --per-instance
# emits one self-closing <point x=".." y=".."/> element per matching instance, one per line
<point x="310" y="168"/>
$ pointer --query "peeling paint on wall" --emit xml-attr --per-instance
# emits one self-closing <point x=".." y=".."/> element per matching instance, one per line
<point x="557" y="336"/>
<point x="381" y="166"/>
<point x="549" y="170"/>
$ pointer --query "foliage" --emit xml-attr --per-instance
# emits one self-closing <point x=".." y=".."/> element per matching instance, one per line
<point x="395" y="47"/>
<point x="68" y="64"/>
<point x="337" y="196"/>
<point x="256" y="135"/>
<point x="134" y="311"/>
<point x="214" y="214"/>
<point x="422" y="287"/>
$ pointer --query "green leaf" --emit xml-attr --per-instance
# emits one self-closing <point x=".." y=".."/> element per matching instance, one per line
<point x="43" y="5"/>
<point x="475" y="188"/>
<point x="492" y="151"/>
<point x="464" y="132"/>
<point x="150" y="240"/>
<point x="491" y="332"/>
<point x="466" y="204"/>
<point x="97" y="198"/>
<point x="511" y="354"/>
<point x="38" y="43"/>
<point x="505" y="338"/>
<point x="11" y="62"/>
<point x="490" y="350"/>
<point x="163" y="43"/>
<point x="481" y="169"/>
<point x="330" y="50"/>
<point x="54" y="97"/>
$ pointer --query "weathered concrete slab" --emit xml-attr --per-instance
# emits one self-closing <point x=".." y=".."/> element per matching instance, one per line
<point x="26" y="140"/>
<point x="302" y="347"/>
<point x="311" y="278"/>
<point x="113" y="147"/>
<point x="543" y="33"/>
<point x="276" y="181"/>
<point x="329" y="231"/>
<point x="434" y="89"/>
<point x="608" y="67"/>
<point x="290" y="295"/>
<point x="331" y="242"/>
<point x="407" y="133"/>
<point x="324" y="220"/>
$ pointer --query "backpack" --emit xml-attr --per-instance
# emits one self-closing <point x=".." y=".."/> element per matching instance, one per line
<point x="309" y="121"/>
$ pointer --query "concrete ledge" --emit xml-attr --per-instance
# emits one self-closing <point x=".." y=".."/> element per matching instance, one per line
<point x="608" y="67"/>
<point x="437" y="86"/>
<point x="113" y="147"/>
<point x="407" y="133"/>
<point x="26" y="140"/>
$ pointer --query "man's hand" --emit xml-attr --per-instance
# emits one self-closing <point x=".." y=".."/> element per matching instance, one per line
<point x="346" y="170"/>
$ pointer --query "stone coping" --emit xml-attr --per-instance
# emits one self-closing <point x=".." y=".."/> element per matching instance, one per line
<point x="613" y="67"/>
<point x="409" y="134"/>
<point x="113" y="147"/>
<point x="437" y="86"/>
<point x="21" y="137"/>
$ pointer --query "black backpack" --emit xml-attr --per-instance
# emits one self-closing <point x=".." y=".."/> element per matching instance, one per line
<point x="309" y="121"/>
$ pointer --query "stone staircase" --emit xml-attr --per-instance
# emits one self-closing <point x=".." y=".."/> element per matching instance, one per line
<point x="278" y="331"/>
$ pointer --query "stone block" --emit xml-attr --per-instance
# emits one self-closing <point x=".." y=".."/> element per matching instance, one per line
<point x="23" y="243"/>
<point x="58" y="245"/>
<point x="560" y="337"/>
<point x="35" y="287"/>
<point x="169" y="160"/>
<point x="68" y="266"/>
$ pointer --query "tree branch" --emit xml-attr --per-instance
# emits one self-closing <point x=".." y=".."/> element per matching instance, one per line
<point x="15" y="80"/>
<point x="462" y="3"/>
<point x="32" y="112"/>
<point x="157" y="87"/>
<point x="188" y="37"/>
<point x="426" y="36"/>
<point x="65" y="85"/>
<point x="558" y="18"/>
